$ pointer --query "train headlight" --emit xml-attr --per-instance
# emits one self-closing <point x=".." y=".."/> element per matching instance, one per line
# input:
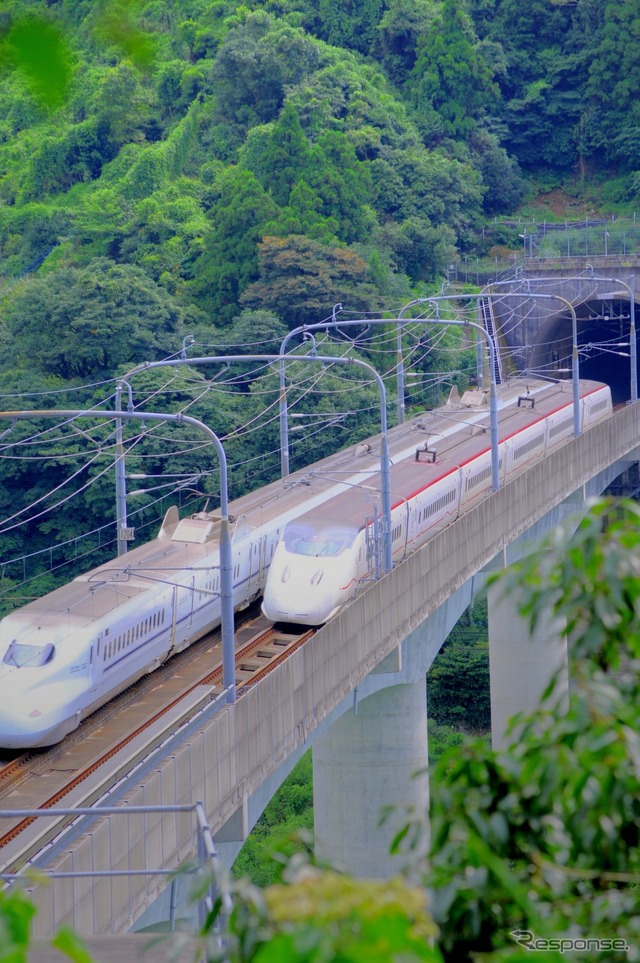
<point x="286" y="572"/>
<point x="316" y="578"/>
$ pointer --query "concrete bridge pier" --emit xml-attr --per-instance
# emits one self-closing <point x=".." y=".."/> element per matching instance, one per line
<point x="373" y="756"/>
<point x="522" y="662"/>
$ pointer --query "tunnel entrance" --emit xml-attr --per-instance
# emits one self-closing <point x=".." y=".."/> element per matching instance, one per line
<point x="603" y="332"/>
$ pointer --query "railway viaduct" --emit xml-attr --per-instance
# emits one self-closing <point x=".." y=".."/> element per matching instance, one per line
<point x="356" y="692"/>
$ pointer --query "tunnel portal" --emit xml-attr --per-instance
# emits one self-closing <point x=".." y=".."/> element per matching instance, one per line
<point x="603" y="337"/>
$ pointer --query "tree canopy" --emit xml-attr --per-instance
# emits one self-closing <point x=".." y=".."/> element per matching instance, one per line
<point x="167" y="169"/>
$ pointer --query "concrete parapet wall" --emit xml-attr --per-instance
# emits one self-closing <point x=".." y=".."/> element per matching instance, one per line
<point x="229" y="758"/>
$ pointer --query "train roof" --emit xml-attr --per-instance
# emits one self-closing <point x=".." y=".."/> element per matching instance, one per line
<point x="409" y="476"/>
<point x="182" y="544"/>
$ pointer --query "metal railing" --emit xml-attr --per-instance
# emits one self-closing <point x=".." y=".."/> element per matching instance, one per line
<point x="205" y="868"/>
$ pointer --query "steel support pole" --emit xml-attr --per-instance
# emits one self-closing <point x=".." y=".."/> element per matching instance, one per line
<point x="633" y="347"/>
<point x="121" y="489"/>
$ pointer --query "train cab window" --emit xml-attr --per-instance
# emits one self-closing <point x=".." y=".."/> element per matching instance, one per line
<point x="310" y="538"/>
<point x="28" y="656"/>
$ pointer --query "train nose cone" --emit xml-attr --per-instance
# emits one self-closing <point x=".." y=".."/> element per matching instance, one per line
<point x="20" y="729"/>
<point x="24" y="725"/>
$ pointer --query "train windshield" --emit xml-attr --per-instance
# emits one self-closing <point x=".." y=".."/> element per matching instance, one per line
<point x="30" y="656"/>
<point x="310" y="538"/>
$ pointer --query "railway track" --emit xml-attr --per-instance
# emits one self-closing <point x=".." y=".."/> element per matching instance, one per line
<point x="148" y="712"/>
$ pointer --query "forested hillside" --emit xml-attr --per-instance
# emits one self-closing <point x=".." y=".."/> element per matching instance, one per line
<point x="199" y="169"/>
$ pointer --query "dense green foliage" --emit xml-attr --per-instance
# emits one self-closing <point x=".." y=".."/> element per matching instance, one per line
<point x="278" y="832"/>
<point x="551" y="825"/>
<point x="458" y="680"/>
<point x="169" y="171"/>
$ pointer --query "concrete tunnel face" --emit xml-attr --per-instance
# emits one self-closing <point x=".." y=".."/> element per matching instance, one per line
<point x="603" y="328"/>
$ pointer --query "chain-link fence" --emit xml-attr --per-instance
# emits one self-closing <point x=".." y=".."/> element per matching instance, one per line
<point x="602" y="237"/>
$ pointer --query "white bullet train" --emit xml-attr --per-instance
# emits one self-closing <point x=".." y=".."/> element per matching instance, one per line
<point x="325" y="555"/>
<point x="68" y="653"/>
